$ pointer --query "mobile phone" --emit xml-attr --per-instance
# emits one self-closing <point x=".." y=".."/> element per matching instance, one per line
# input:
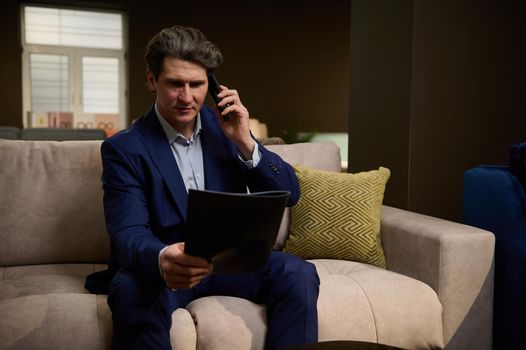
<point x="213" y="90"/>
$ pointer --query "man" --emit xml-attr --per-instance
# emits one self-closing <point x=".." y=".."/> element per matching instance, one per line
<point x="147" y="172"/>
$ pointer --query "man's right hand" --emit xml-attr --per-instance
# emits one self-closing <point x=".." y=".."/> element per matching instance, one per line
<point x="181" y="270"/>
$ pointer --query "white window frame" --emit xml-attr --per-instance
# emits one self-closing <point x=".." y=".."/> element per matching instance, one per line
<point x="75" y="55"/>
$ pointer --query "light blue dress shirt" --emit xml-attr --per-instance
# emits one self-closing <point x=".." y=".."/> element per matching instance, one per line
<point x="189" y="153"/>
<point x="189" y="157"/>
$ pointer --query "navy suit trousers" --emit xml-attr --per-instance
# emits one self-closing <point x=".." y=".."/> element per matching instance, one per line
<point x="287" y="285"/>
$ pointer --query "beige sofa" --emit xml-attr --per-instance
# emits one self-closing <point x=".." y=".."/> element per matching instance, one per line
<point x="437" y="291"/>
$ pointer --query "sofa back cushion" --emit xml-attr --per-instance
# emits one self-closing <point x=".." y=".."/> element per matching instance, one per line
<point x="51" y="207"/>
<point x="317" y="155"/>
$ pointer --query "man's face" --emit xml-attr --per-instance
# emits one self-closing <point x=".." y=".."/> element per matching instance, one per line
<point x="181" y="91"/>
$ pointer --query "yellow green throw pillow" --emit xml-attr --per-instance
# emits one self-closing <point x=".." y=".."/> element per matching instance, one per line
<point x="338" y="216"/>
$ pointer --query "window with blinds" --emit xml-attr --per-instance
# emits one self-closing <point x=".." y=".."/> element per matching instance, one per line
<point x="73" y="68"/>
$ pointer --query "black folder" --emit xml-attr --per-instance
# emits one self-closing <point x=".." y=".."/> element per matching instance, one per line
<point x="234" y="231"/>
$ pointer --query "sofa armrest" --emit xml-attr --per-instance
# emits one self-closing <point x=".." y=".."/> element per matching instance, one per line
<point x="456" y="261"/>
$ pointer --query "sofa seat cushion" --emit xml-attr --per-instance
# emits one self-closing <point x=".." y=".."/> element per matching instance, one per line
<point x="227" y="323"/>
<point x="18" y="281"/>
<point x="361" y="302"/>
<point x="357" y="302"/>
<point x="55" y="321"/>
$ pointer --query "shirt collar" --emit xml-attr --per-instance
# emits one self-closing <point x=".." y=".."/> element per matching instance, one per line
<point x="171" y="134"/>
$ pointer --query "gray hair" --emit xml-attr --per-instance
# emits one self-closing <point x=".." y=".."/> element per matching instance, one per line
<point x="185" y="43"/>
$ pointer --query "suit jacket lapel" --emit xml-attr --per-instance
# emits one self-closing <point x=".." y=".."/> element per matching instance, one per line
<point x="211" y="163"/>
<point x="161" y="154"/>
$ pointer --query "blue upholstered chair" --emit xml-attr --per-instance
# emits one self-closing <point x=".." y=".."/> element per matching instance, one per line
<point x="50" y="134"/>
<point x="495" y="200"/>
<point x="9" y="132"/>
<point x="61" y="134"/>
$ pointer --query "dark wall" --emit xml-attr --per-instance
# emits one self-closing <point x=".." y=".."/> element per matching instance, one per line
<point x="288" y="59"/>
<point x="11" y="65"/>
<point x="467" y="83"/>
<point x="380" y="91"/>
<point x="436" y="87"/>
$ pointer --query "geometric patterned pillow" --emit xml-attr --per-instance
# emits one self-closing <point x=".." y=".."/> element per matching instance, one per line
<point x="338" y="216"/>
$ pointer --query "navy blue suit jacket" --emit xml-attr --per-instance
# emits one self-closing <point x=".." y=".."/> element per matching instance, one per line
<point x="144" y="194"/>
